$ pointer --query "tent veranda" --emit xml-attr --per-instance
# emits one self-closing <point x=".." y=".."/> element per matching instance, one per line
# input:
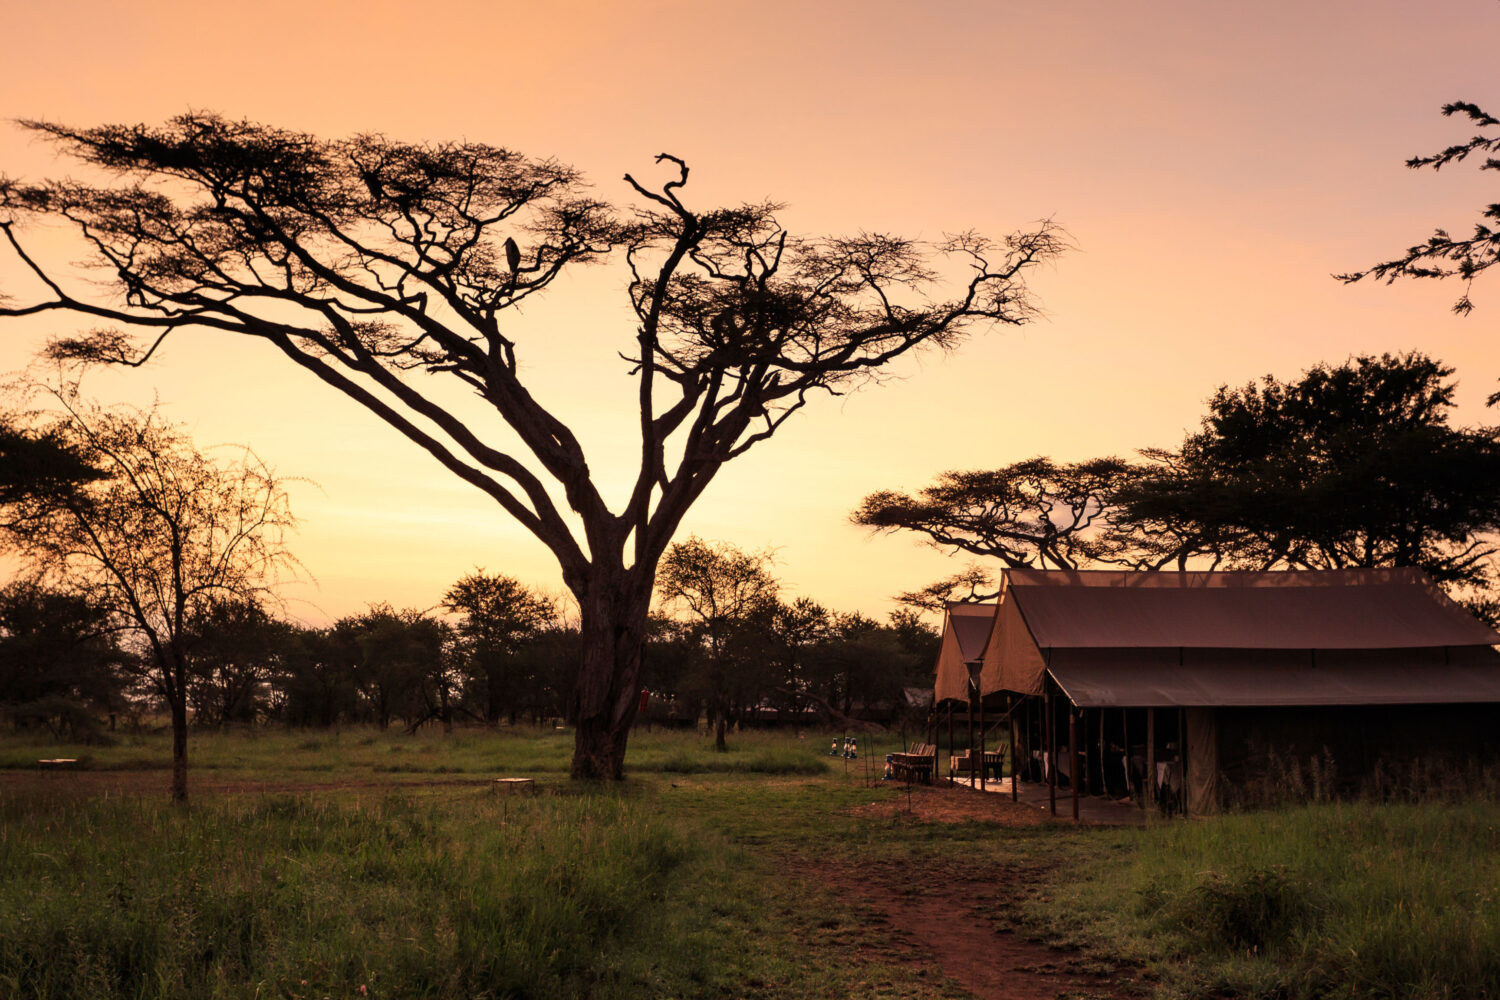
<point x="1201" y="671"/>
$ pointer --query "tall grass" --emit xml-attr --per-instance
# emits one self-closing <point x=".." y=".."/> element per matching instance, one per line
<point x="1336" y="900"/>
<point x="400" y="895"/>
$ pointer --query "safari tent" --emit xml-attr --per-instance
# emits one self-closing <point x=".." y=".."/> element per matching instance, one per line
<point x="1197" y="684"/>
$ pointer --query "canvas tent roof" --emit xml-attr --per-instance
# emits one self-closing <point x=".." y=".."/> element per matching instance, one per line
<point x="965" y="630"/>
<point x="1336" y="609"/>
<point x="1115" y="638"/>
<point x="1137" y="678"/>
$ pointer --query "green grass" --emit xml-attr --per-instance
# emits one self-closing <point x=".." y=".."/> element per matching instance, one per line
<point x="1336" y="900"/>
<point x="357" y="859"/>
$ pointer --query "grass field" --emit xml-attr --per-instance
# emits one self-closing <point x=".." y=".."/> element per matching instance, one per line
<point x="359" y="864"/>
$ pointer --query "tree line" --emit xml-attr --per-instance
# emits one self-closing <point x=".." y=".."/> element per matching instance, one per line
<point x="494" y="652"/>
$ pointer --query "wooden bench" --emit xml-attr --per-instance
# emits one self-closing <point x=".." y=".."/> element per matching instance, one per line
<point x="917" y="764"/>
<point x="512" y="785"/>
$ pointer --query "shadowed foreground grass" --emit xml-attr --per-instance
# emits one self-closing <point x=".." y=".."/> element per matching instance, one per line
<point x="1336" y="900"/>
<point x="397" y="890"/>
<point x="366" y="864"/>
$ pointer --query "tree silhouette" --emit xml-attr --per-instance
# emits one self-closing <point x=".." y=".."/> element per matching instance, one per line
<point x="1444" y="256"/>
<point x="162" y="533"/>
<point x="725" y="592"/>
<point x="1351" y="465"/>
<point x="390" y="270"/>
<point x="1031" y="513"/>
<point x="498" y="616"/>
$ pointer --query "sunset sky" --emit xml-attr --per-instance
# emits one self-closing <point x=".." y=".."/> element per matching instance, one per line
<point x="1214" y="164"/>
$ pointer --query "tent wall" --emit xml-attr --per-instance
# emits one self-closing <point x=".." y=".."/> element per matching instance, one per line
<point x="1275" y="754"/>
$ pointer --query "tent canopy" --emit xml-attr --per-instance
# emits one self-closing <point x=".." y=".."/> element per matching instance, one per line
<point x="966" y="627"/>
<point x="1334" y="609"/>
<point x="1120" y="638"/>
<point x="1208" y="678"/>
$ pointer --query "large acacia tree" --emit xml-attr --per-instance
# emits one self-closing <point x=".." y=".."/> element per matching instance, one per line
<point x="390" y="271"/>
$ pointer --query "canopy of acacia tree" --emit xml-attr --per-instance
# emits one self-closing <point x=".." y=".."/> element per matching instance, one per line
<point x="1345" y="637"/>
<point x="965" y="628"/>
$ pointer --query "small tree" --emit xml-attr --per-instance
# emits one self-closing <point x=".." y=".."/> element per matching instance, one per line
<point x="160" y="535"/>
<point x="723" y="590"/>
<point x="399" y="663"/>
<point x="388" y="270"/>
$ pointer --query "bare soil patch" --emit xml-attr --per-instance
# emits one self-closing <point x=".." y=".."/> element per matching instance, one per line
<point x="937" y="804"/>
<point x="939" y="915"/>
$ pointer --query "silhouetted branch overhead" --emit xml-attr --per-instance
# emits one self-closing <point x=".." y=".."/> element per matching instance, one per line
<point x="1444" y="255"/>
<point x="386" y="269"/>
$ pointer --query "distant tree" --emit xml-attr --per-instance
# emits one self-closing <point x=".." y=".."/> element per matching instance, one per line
<point x="235" y="647"/>
<point x="386" y="270"/>
<point x="163" y="532"/>
<point x="722" y="590"/>
<point x="1443" y="256"/>
<point x="61" y="665"/>
<point x="668" y="661"/>
<point x="314" y="685"/>
<point x="795" y="633"/>
<point x="497" y="617"/>
<point x="399" y="664"/>
<point x="38" y="465"/>
<point x="1354" y="465"/>
<point x="1033" y="513"/>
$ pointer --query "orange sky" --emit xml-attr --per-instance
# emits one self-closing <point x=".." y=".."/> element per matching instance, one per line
<point x="1213" y="162"/>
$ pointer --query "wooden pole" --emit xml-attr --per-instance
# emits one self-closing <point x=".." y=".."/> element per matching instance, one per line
<point x="981" y="744"/>
<point x="950" y="746"/>
<point x="1150" y="756"/>
<point x="1073" y="756"/>
<point x="1103" y="771"/>
<point x="1182" y="755"/>
<point x="1080" y="760"/>
<point x="1014" y="794"/>
<point x="970" y="747"/>
<point x="1051" y="727"/>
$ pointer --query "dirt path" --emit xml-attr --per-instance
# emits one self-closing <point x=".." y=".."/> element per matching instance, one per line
<point x="937" y="915"/>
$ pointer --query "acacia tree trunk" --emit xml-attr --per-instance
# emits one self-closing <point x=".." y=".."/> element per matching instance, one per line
<point x="606" y="692"/>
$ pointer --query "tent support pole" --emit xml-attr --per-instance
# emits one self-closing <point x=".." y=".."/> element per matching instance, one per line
<point x="950" y="747"/>
<point x="1011" y="700"/>
<point x="981" y="744"/>
<point x="1103" y="773"/>
<point x="1073" y="755"/>
<point x="1049" y="724"/>
<point x="969" y="747"/>
<point x="1182" y="755"/>
<point x="1150" y="795"/>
